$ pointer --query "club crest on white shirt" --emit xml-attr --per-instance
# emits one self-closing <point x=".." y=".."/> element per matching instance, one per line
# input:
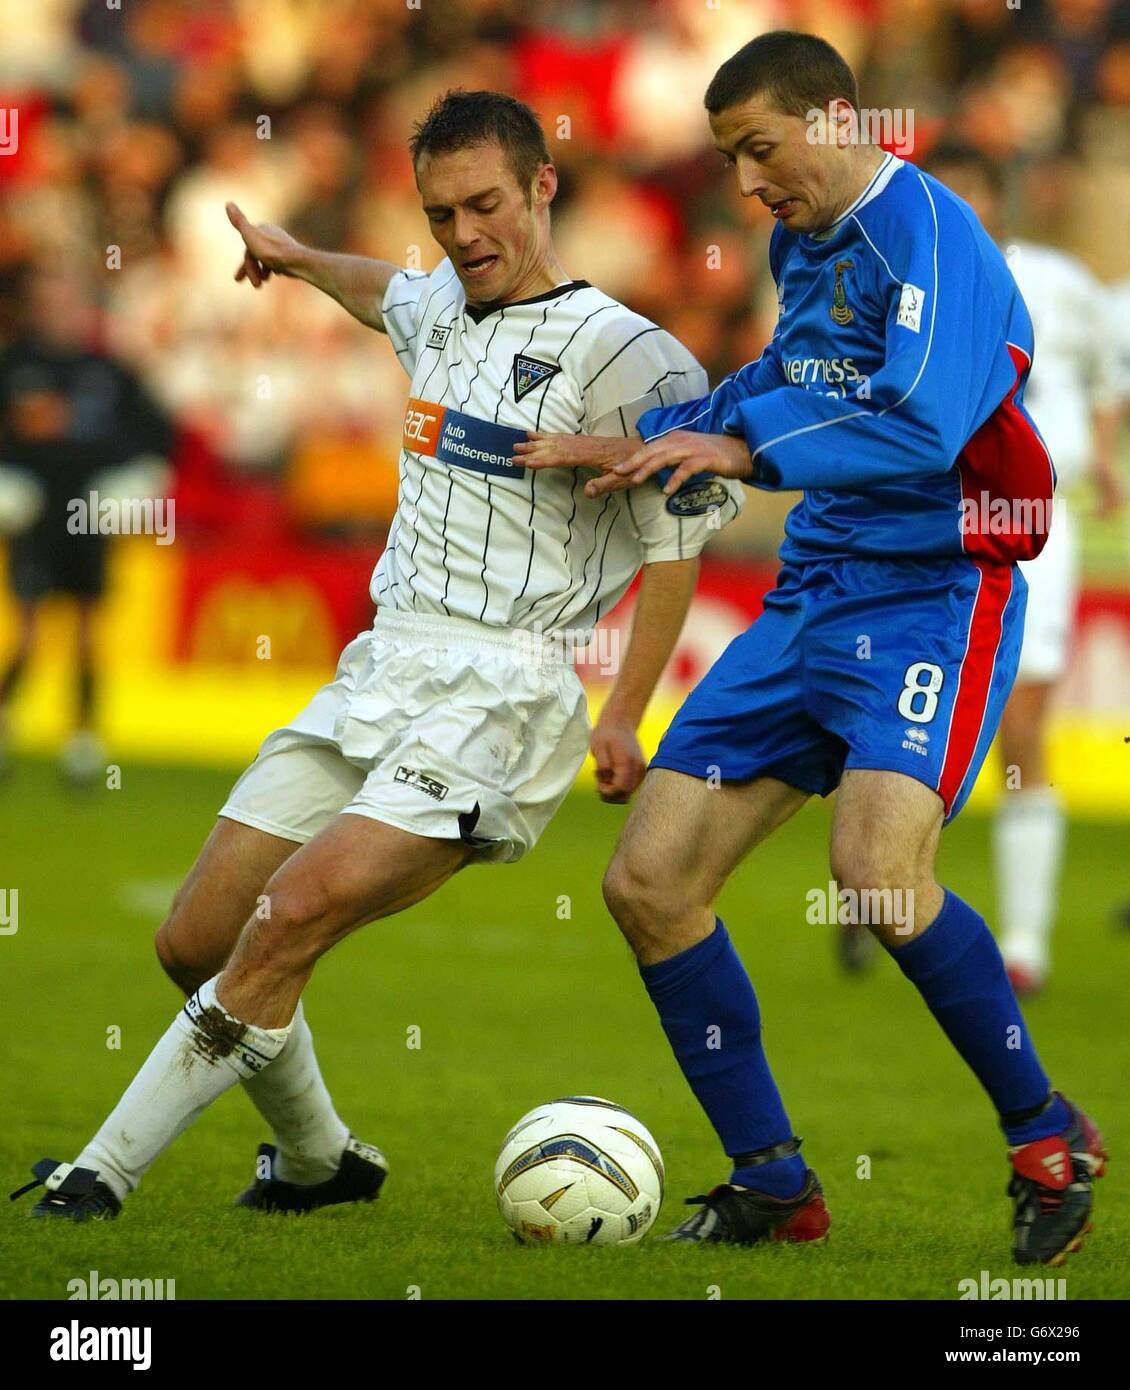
<point x="529" y="373"/>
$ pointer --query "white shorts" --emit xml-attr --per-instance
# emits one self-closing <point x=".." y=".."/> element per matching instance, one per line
<point x="440" y="726"/>
<point x="1052" y="597"/>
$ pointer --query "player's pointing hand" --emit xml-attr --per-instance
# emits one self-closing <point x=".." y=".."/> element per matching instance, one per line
<point x="267" y="249"/>
<point x="686" y="453"/>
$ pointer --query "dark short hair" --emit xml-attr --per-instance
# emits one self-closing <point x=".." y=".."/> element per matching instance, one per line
<point x="459" y="120"/>
<point x="948" y="153"/>
<point x="799" y="73"/>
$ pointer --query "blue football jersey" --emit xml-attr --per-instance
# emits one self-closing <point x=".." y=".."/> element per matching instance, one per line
<point x="892" y="393"/>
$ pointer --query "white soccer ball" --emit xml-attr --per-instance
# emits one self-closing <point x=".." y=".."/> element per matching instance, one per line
<point x="579" y="1170"/>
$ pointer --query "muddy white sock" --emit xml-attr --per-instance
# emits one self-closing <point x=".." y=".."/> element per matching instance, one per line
<point x="292" y="1097"/>
<point x="204" y="1052"/>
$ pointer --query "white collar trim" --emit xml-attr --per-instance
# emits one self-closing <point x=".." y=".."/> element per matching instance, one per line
<point x="882" y="176"/>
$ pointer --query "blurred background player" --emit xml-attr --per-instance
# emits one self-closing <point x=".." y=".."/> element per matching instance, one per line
<point x="73" y="420"/>
<point x="1072" y="393"/>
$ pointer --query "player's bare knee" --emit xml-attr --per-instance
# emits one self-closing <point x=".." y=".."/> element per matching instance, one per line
<point x="864" y="871"/>
<point x="620" y="887"/>
<point x="187" y="969"/>
<point x="647" y="910"/>
<point x="882" y="887"/>
<point x="163" y="945"/>
<point x="852" y="857"/>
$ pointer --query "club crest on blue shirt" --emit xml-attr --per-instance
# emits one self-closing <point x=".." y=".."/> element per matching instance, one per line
<point x="529" y="374"/>
<point x="841" y="310"/>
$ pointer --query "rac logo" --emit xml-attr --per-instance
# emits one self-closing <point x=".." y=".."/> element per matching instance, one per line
<point x="423" y="423"/>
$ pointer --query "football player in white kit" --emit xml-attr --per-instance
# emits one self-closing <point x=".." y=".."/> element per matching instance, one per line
<point x="1072" y="393"/>
<point x="456" y="725"/>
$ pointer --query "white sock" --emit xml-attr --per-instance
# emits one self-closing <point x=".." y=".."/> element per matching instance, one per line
<point x="292" y="1097"/>
<point x="1028" y="835"/>
<point x="203" y="1054"/>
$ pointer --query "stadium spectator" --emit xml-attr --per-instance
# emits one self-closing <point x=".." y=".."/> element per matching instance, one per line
<point x="71" y="420"/>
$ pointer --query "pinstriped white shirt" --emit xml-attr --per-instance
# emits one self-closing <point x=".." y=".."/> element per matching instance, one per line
<point x="508" y="546"/>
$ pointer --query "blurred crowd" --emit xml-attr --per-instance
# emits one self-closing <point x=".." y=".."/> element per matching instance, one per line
<point x="139" y="119"/>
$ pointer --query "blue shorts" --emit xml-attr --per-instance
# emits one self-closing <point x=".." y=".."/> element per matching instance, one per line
<point x="896" y="665"/>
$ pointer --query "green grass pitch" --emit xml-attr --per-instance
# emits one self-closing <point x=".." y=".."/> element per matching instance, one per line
<point x="516" y="1005"/>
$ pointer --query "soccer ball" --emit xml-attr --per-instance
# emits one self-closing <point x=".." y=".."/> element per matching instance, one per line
<point x="579" y="1170"/>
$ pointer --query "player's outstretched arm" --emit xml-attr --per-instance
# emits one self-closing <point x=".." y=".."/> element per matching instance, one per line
<point x="356" y="282"/>
<point x="679" y="455"/>
<point x="685" y="438"/>
<point x="666" y="590"/>
<point x="603" y="451"/>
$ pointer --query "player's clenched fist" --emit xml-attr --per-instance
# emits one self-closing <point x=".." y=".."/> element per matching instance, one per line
<point x="267" y="249"/>
<point x="683" y="453"/>
<point x="620" y="763"/>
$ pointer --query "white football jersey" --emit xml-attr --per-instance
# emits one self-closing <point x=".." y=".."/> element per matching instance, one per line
<point x="476" y="536"/>
<point x="1075" y="367"/>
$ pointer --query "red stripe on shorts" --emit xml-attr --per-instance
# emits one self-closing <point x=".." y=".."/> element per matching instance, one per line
<point x="975" y="676"/>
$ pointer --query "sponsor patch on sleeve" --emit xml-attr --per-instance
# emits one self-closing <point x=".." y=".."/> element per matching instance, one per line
<point x="701" y="494"/>
<point x="910" y="307"/>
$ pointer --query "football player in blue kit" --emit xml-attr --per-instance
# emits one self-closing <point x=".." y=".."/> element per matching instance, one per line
<point x="891" y="398"/>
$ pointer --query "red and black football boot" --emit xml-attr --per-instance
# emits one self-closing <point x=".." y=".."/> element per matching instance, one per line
<point x="1051" y="1188"/>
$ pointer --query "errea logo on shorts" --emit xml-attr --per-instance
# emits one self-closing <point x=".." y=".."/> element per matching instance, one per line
<point x="914" y="740"/>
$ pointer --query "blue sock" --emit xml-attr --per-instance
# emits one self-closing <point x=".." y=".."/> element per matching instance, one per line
<point x="958" y="970"/>
<point x="709" y="1012"/>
